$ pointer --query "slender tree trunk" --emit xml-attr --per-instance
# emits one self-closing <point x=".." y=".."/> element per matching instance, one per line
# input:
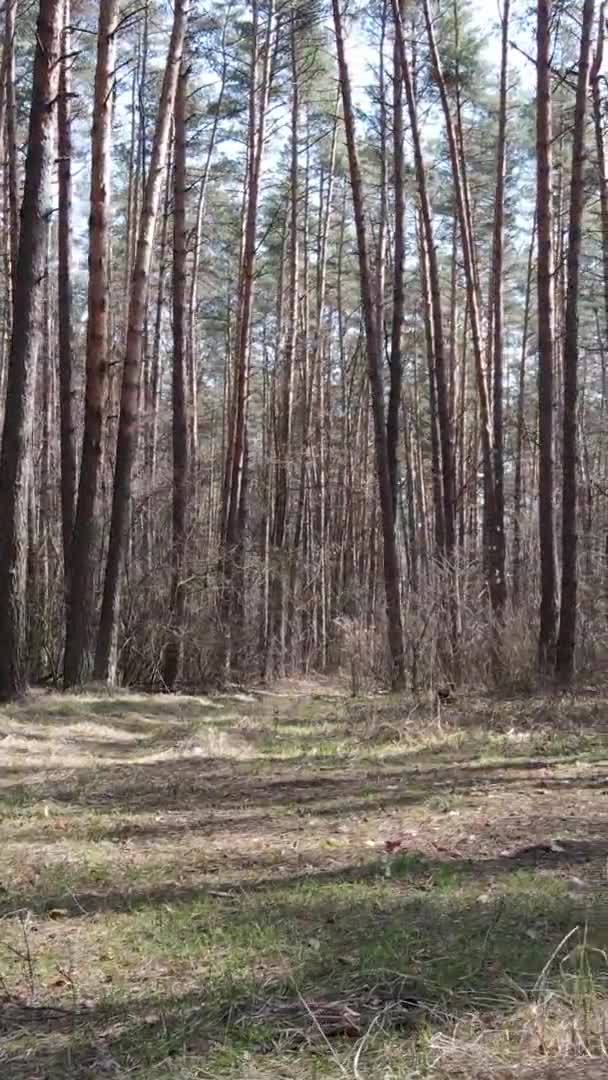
<point x="396" y="357"/>
<point x="44" y="502"/>
<point x="600" y="146"/>
<point x="285" y="410"/>
<point x="10" y="14"/>
<point x="546" y="298"/>
<point x="566" y="639"/>
<point x="437" y="360"/>
<point x="16" y="456"/>
<point x="174" y="650"/>
<point x="498" y="591"/>
<point x="156" y="379"/>
<point x="519" y="431"/>
<point x="436" y="458"/>
<point x="64" y="299"/>
<point x="465" y="227"/>
<point x="84" y="548"/>
<point x="193" y="356"/>
<point x="106" y="658"/>
<point x="374" y="358"/>
<point x="382" y="226"/>
<point x="234" y="509"/>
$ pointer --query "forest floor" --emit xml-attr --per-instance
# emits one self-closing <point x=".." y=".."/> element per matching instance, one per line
<point x="300" y="885"/>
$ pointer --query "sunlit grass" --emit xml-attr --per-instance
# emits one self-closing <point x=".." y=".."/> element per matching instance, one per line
<point x="193" y="894"/>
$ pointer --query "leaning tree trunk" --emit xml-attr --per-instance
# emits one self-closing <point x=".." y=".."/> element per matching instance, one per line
<point x="374" y="359"/>
<point x="546" y="301"/>
<point x="16" y="458"/>
<point x="81" y="585"/>
<point x="106" y="657"/>
<point x="174" y="649"/>
<point x="566" y="640"/>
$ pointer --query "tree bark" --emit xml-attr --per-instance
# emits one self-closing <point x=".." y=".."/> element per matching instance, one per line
<point x="106" y="657"/>
<point x="285" y="404"/>
<point x="566" y="639"/>
<point x="466" y="238"/>
<point x="498" y="590"/>
<point x="518" y="486"/>
<point x="10" y="15"/>
<point x="16" y="455"/>
<point x="84" y="547"/>
<point x="600" y="146"/>
<point x="396" y="354"/>
<point x="175" y="649"/>
<point x="447" y="536"/>
<point x="196" y="257"/>
<point x="374" y="359"/>
<point x="546" y="300"/>
<point x="64" y="299"/>
<point x="234" y="503"/>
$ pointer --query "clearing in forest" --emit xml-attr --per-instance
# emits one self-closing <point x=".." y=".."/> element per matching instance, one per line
<point x="301" y="885"/>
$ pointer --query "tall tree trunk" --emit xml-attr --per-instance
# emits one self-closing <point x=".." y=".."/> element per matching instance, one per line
<point x="84" y="548"/>
<point x="498" y="591"/>
<point x="600" y="146"/>
<point x="16" y="456"/>
<point x="437" y="360"/>
<point x="285" y="405"/>
<point x="546" y="298"/>
<point x="234" y="508"/>
<point x="466" y="237"/>
<point x="157" y="359"/>
<point x="64" y="299"/>
<point x="519" y="431"/>
<point x="193" y="352"/>
<point x="106" y="657"/>
<point x="436" y="457"/>
<point x="374" y="358"/>
<point x="395" y="356"/>
<point x="566" y="639"/>
<point x="174" y="650"/>
<point x="10" y="15"/>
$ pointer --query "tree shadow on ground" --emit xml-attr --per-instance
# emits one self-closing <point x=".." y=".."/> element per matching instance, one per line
<point x="174" y="783"/>
<point x="455" y="949"/>
<point x="414" y="867"/>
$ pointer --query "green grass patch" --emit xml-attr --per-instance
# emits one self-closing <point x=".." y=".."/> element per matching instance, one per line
<point x="335" y="889"/>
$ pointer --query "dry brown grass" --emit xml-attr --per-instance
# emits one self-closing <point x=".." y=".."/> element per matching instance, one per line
<point x="202" y="886"/>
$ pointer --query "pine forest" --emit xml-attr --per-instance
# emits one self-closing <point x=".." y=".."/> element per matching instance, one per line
<point x="303" y="343"/>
